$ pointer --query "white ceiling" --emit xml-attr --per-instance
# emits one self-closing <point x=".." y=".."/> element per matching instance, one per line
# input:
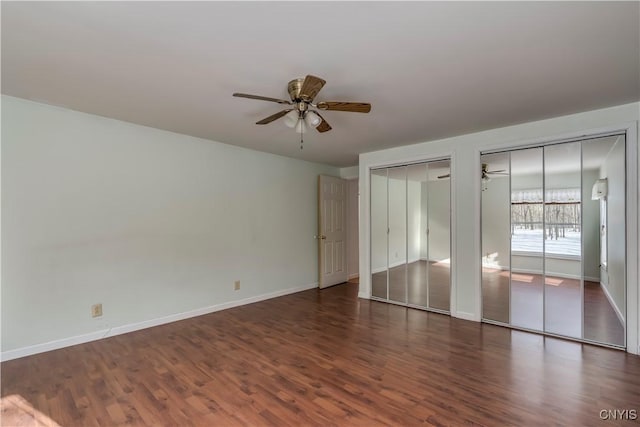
<point x="430" y="69"/>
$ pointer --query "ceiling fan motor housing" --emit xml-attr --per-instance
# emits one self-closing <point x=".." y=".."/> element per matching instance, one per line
<point x="294" y="88"/>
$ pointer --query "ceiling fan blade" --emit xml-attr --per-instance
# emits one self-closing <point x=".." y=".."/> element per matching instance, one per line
<point x="273" y="117"/>
<point x="262" y="98"/>
<point x="310" y="87"/>
<point x="323" y="126"/>
<point x="356" y="107"/>
<point x="498" y="171"/>
<point x="444" y="176"/>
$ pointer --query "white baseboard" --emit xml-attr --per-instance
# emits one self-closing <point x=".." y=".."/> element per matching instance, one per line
<point x="526" y="271"/>
<point x="552" y="274"/>
<point x="613" y="304"/>
<point x="119" y="330"/>
<point x="354" y="276"/>
<point x="465" y="316"/>
<point x="495" y="267"/>
<point x="399" y="263"/>
<point x="363" y="295"/>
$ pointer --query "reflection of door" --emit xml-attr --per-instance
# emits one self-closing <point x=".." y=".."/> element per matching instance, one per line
<point x="331" y="231"/>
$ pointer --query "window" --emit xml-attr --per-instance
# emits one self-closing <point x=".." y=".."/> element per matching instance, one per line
<point x="562" y="218"/>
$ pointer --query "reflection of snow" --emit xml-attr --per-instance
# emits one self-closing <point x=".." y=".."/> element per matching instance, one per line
<point x="531" y="241"/>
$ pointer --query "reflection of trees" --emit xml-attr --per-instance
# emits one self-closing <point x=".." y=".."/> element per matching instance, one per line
<point x="559" y="217"/>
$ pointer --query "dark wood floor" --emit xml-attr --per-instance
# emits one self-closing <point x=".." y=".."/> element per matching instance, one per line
<point x="562" y="310"/>
<point x="323" y="357"/>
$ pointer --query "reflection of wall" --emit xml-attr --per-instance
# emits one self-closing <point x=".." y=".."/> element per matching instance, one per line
<point x="397" y="221"/>
<point x="438" y="195"/>
<point x="495" y="223"/>
<point x="378" y="223"/>
<point x="553" y="266"/>
<point x="613" y="169"/>
<point x="590" y="227"/>
<point x="407" y="221"/>
<point x="414" y="196"/>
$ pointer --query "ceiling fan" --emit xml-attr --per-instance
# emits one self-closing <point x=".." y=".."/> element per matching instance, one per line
<point x="300" y="115"/>
<point x="485" y="173"/>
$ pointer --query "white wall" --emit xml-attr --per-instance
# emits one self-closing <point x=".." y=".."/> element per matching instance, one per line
<point x="149" y="223"/>
<point x="465" y="152"/>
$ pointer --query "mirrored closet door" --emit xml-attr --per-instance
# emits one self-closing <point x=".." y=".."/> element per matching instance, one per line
<point x="549" y="259"/>
<point x="410" y="235"/>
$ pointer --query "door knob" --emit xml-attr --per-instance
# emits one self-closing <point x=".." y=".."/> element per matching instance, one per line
<point x="322" y="237"/>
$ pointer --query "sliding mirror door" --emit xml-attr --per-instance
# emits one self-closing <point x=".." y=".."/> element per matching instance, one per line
<point x="397" y="249"/>
<point x="410" y="235"/>
<point x="604" y="240"/>
<point x="563" y="240"/>
<point x="527" y="239"/>
<point x="554" y="239"/>
<point x="438" y="235"/>
<point x="496" y="258"/>
<point x="379" y="234"/>
<point x="417" y="235"/>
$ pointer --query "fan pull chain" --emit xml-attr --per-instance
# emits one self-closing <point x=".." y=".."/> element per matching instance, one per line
<point x="301" y="141"/>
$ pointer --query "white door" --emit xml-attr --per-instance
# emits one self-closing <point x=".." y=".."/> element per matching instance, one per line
<point x="332" y="234"/>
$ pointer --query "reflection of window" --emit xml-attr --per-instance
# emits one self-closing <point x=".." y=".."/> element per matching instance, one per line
<point x="561" y="211"/>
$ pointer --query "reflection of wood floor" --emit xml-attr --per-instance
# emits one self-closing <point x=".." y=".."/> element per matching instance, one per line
<point x="438" y="290"/>
<point x="562" y="310"/>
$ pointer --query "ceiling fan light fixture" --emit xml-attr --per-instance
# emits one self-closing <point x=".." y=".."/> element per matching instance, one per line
<point x="301" y="127"/>
<point x="312" y="119"/>
<point x="291" y="118"/>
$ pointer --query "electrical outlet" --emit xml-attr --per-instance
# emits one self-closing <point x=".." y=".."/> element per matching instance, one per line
<point x="96" y="310"/>
<point x="236" y="285"/>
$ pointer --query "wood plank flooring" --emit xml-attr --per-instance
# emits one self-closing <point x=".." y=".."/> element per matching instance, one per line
<point x="322" y="357"/>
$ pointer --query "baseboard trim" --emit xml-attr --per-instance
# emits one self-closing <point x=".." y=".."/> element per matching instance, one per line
<point x="354" y="276"/>
<point x="398" y="264"/>
<point x="132" y="327"/>
<point x="465" y="316"/>
<point x="552" y="274"/>
<point x="613" y="304"/>
<point x="363" y="295"/>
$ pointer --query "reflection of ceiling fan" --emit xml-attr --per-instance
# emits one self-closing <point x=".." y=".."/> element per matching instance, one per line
<point x="485" y="173"/>
<point x="300" y="116"/>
